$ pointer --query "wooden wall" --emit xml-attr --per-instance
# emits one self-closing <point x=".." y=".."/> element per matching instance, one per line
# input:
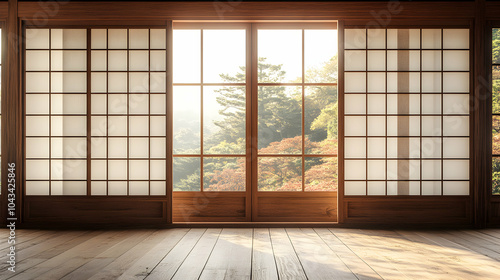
<point x="478" y="209"/>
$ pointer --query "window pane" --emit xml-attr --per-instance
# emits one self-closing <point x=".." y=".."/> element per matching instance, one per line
<point x="320" y="56"/>
<point x="187" y="56"/>
<point x="280" y="113"/>
<point x="320" y="174"/>
<point x="224" y="174"/>
<point x="186" y="120"/>
<point x="320" y="120"/>
<point x="280" y="174"/>
<point x="496" y="176"/>
<point x="496" y="135"/>
<point x="280" y="56"/>
<point x="224" y="55"/>
<point x="495" y="89"/>
<point x="224" y="120"/>
<point x="186" y="175"/>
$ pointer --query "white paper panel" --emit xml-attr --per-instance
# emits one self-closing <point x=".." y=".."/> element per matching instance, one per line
<point x="456" y="38"/>
<point x="456" y="82"/>
<point x="413" y="63"/>
<point x="413" y="167"/>
<point x="456" y="104"/>
<point x="355" y="170"/>
<point x="117" y="38"/>
<point x="68" y="61"/>
<point x="138" y="188"/>
<point x="376" y="147"/>
<point x="431" y="103"/>
<point x="138" y="38"/>
<point x="158" y="148"/>
<point x="355" y="104"/>
<point x="158" y="170"/>
<point x="117" y="147"/>
<point x="117" y="188"/>
<point x="158" y="126"/>
<point x="157" y="188"/>
<point x="431" y="188"/>
<point x="139" y="60"/>
<point x="67" y="82"/>
<point x="456" y="170"/>
<point x="138" y="82"/>
<point x="98" y="126"/>
<point x="37" y="188"/>
<point x="69" y="147"/>
<point x="37" y="126"/>
<point x="37" y="104"/>
<point x="68" y="169"/>
<point x="376" y="60"/>
<point x="456" y="188"/>
<point x="158" y="39"/>
<point x="138" y="148"/>
<point x="392" y="104"/>
<point x="138" y="169"/>
<point x="392" y="38"/>
<point x="456" y="61"/>
<point x="37" y="38"/>
<point x="376" y="103"/>
<point x="98" y="82"/>
<point x="74" y="188"/>
<point x="138" y="126"/>
<point x="117" y="126"/>
<point x="37" y="147"/>
<point x="431" y="38"/>
<point x="376" y="188"/>
<point x="392" y="82"/>
<point x="98" y="61"/>
<point x="355" y="38"/>
<point x="37" y="60"/>
<point x="158" y="82"/>
<point x="355" y="188"/>
<point x="431" y="82"/>
<point x="117" y="170"/>
<point x="355" y="148"/>
<point x="98" y="103"/>
<point x="158" y="61"/>
<point x="69" y="39"/>
<point x="98" y="169"/>
<point x="158" y="104"/>
<point x="69" y="126"/>
<point x="413" y="147"/>
<point x="431" y="60"/>
<point x="98" y="149"/>
<point x="376" y="38"/>
<point x="117" y="60"/>
<point x="355" y="60"/>
<point x="355" y="82"/>
<point x="376" y="126"/>
<point x="117" y="104"/>
<point x="392" y="126"/>
<point x="456" y="148"/>
<point x="376" y="169"/>
<point x="455" y="126"/>
<point x="98" y="38"/>
<point x="431" y="169"/>
<point x="37" y="82"/>
<point x="376" y="82"/>
<point x="98" y="188"/>
<point x="431" y="126"/>
<point x="69" y="104"/>
<point x="355" y="126"/>
<point x="431" y="147"/>
<point x="138" y="103"/>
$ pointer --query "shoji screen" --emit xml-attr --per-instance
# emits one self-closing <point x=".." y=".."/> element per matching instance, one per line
<point x="406" y="111"/>
<point x="56" y="108"/>
<point x="95" y="111"/>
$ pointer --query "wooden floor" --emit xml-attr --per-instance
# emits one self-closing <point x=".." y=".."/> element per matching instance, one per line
<point x="307" y="253"/>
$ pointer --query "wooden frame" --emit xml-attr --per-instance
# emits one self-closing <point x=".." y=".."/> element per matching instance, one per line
<point x="480" y="207"/>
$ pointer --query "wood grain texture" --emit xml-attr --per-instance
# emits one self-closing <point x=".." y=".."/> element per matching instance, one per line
<point x="208" y="207"/>
<point x="302" y="207"/>
<point x="280" y="253"/>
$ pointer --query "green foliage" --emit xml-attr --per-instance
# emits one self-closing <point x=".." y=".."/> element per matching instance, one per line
<point x="496" y="176"/>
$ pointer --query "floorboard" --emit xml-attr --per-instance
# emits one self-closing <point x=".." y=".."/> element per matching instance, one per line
<point x="261" y="253"/>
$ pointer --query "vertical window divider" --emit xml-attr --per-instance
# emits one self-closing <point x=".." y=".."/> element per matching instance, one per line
<point x="366" y="111"/>
<point x="149" y="112"/>
<point x="303" y="113"/>
<point x="202" y="152"/>
<point x="128" y="112"/>
<point x="89" y="113"/>
<point x="442" y="114"/>
<point x="386" y="119"/>
<point x="50" y="112"/>
<point x="420" y="112"/>
<point x="107" y="112"/>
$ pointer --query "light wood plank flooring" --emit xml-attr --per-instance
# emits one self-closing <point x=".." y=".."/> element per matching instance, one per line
<point x="261" y="253"/>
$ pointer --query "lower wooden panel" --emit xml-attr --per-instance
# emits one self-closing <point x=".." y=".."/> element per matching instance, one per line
<point x="296" y="207"/>
<point x="208" y="207"/>
<point x="82" y="211"/>
<point x="408" y="210"/>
